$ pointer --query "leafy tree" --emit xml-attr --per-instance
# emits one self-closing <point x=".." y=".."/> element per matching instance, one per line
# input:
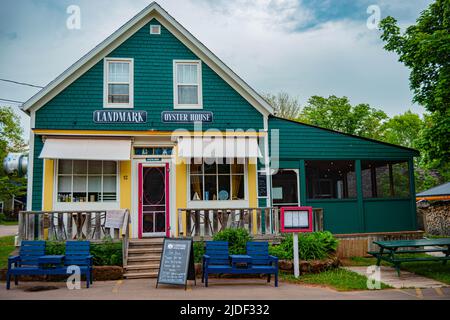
<point x="338" y="114"/>
<point x="407" y="130"/>
<point x="425" y="49"/>
<point x="403" y="129"/>
<point x="10" y="141"/>
<point x="284" y="105"/>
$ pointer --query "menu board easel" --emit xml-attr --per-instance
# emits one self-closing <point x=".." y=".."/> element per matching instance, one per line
<point x="177" y="262"/>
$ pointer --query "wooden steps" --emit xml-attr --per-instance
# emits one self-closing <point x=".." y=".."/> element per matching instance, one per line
<point x="146" y="275"/>
<point x="144" y="257"/>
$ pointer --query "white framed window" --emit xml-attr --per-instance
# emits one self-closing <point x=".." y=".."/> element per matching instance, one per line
<point x="155" y="29"/>
<point x="81" y="181"/>
<point x="217" y="182"/>
<point x="118" y="83"/>
<point x="187" y="84"/>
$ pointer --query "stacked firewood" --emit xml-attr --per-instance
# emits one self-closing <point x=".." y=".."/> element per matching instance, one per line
<point x="436" y="217"/>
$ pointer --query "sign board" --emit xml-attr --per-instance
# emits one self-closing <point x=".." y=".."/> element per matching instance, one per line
<point x="296" y="219"/>
<point x="114" y="219"/>
<point x="262" y="185"/>
<point x="120" y="116"/>
<point x="186" y="116"/>
<point x="177" y="262"/>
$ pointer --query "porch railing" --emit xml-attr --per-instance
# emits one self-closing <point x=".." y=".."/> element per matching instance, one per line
<point x="68" y="225"/>
<point x="258" y="221"/>
<point x="206" y="222"/>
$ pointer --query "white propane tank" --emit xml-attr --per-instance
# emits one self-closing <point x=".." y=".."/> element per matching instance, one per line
<point x="16" y="162"/>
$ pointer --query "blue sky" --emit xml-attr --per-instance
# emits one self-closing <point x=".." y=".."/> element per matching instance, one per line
<point x="303" y="47"/>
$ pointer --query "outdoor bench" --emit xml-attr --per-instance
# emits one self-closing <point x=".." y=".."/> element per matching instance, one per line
<point x="33" y="261"/>
<point x="389" y="251"/>
<point x="217" y="260"/>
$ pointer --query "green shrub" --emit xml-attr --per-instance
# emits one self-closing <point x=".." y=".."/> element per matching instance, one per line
<point x="311" y="246"/>
<point x="106" y="253"/>
<point x="199" y="251"/>
<point x="237" y="239"/>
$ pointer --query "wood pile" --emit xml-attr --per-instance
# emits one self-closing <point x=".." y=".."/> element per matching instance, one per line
<point x="435" y="217"/>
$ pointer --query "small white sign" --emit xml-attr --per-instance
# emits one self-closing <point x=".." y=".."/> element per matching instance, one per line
<point x="303" y="219"/>
<point x="114" y="219"/>
<point x="296" y="219"/>
<point x="289" y="219"/>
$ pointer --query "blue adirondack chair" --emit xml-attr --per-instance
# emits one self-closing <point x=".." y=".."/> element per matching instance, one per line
<point x="78" y="253"/>
<point x="215" y="260"/>
<point x="26" y="263"/>
<point x="262" y="262"/>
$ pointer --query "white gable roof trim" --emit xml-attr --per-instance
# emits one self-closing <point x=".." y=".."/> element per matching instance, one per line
<point x="126" y="31"/>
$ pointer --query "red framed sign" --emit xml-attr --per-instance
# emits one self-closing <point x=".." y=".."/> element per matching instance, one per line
<point x="296" y="219"/>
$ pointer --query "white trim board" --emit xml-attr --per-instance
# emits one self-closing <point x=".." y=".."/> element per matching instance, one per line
<point x="154" y="10"/>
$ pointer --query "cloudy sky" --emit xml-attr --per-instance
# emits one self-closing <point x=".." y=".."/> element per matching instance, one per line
<point x="303" y="47"/>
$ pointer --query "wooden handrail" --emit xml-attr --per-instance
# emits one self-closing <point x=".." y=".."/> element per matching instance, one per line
<point x="125" y="237"/>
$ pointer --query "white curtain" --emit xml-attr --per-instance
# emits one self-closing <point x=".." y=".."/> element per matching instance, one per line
<point x="119" y="72"/>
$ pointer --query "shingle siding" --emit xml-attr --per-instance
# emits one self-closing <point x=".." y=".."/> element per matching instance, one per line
<point x="153" y="90"/>
<point x="300" y="141"/>
<point x="38" y="169"/>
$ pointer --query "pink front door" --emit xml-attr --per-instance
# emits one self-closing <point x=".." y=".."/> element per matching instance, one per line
<point x="154" y="201"/>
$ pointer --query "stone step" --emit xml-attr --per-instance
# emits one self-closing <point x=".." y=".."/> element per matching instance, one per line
<point x="139" y="267"/>
<point x="136" y="275"/>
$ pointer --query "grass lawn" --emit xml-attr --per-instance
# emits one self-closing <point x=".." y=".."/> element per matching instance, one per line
<point x="432" y="269"/>
<point x="6" y="247"/>
<point x="432" y="236"/>
<point x="8" y="223"/>
<point x="339" y="279"/>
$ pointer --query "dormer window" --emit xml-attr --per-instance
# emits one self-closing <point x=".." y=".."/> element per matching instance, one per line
<point x="187" y="84"/>
<point x="118" y="86"/>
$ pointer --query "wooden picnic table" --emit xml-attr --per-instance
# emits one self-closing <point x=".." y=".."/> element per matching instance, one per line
<point x="389" y="251"/>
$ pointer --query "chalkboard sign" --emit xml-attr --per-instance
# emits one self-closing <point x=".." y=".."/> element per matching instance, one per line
<point x="177" y="262"/>
<point x="262" y="185"/>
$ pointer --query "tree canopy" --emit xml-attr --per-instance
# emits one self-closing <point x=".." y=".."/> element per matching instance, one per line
<point x="425" y="49"/>
<point x="284" y="105"/>
<point x="403" y="129"/>
<point x="10" y="141"/>
<point x="338" y="114"/>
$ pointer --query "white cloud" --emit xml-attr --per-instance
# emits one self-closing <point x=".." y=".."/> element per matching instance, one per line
<point x="254" y="38"/>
